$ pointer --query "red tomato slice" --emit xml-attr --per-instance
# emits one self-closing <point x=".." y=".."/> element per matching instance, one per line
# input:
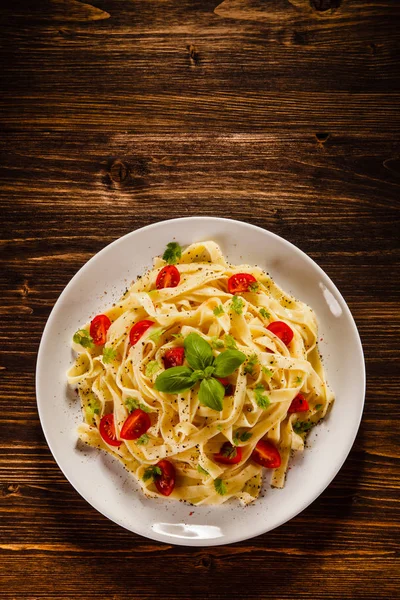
<point x="165" y="482"/>
<point x="168" y="277"/>
<point x="282" y="331"/>
<point x="98" y="329"/>
<point x="138" y="330"/>
<point x="229" y="455"/>
<point x="174" y="357"/>
<point x="107" y="430"/>
<point x="240" y="282"/>
<point x="135" y="425"/>
<point x="299" y="404"/>
<point x="228" y="386"/>
<point x="266" y="455"/>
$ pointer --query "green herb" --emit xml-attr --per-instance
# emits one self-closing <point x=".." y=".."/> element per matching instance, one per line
<point x="83" y="338"/>
<point x="132" y="404"/>
<point x="229" y="451"/>
<point x="220" y="427"/>
<point x="266" y="371"/>
<point x="302" y="426"/>
<point x="227" y="362"/>
<point x="211" y="394"/>
<point x="209" y="372"/>
<point x="318" y="406"/>
<point x="261" y="398"/>
<point x="204" y="367"/>
<point x="177" y="335"/>
<point x="156" y="335"/>
<point x="92" y="408"/>
<point x="175" y="380"/>
<point x="143" y="440"/>
<point x="230" y="342"/>
<point x="298" y="380"/>
<point x="152" y="367"/>
<point x="252" y="361"/>
<point x="216" y="343"/>
<point x="254" y="286"/>
<point x="109" y="355"/>
<point x="172" y="253"/>
<point x="198" y="352"/>
<point x="197" y="375"/>
<point x="151" y="473"/>
<point x="264" y="313"/>
<point x="202" y="471"/>
<point x="219" y="310"/>
<point x="220" y="487"/>
<point x="237" y="305"/>
<point x="241" y="437"/>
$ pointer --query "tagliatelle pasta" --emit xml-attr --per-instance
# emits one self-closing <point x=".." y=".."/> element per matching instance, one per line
<point x="202" y="375"/>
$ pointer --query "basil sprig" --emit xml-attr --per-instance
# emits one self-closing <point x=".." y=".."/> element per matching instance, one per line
<point x="203" y="367"/>
<point x="211" y="393"/>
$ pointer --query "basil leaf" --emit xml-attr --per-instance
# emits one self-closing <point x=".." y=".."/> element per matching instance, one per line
<point x="211" y="394"/>
<point x="174" y="380"/>
<point x="197" y="375"/>
<point x="209" y="371"/>
<point x="198" y="352"/>
<point x="227" y="362"/>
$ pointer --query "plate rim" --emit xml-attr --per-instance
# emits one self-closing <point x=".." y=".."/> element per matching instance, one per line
<point x="200" y="542"/>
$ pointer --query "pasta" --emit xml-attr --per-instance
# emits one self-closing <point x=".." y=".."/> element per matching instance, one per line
<point x="203" y="375"/>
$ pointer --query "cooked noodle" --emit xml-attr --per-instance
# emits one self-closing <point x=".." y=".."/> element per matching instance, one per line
<point x="182" y="430"/>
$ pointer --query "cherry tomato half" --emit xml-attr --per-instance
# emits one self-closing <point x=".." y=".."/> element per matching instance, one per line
<point x="98" y="329"/>
<point x="282" y="331"/>
<point x="266" y="455"/>
<point x="168" y="277"/>
<point x="135" y="425"/>
<point x="228" y="454"/>
<point x="299" y="404"/>
<point x="228" y="386"/>
<point x="240" y="282"/>
<point x="107" y="430"/>
<point x="165" y="482"/>
<point x="138" y="330"/>
<point x="174" y="357"/>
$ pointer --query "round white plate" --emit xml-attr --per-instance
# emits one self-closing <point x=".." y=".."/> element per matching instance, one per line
<point x="103" y="482"/>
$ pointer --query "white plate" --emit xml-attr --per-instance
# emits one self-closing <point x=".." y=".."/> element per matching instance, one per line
<point x="103" y="482"/>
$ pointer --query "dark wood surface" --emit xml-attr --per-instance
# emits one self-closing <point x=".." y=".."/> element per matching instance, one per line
<point x="118" y="113"/>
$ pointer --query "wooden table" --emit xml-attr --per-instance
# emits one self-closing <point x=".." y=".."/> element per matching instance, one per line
<point x="118" y="113"/>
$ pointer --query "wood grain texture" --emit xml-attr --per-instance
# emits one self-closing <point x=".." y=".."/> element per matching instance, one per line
<point x="116" y="114"/>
